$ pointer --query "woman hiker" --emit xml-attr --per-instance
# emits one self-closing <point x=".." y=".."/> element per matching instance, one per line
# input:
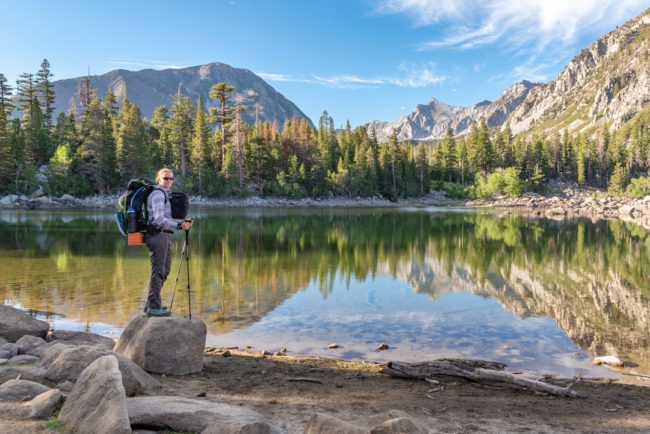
<point x="159" y="244"/>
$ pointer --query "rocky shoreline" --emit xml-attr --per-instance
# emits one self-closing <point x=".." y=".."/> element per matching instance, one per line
<point x="109" y="202"/>
<point x="574" y="202"/>
<point x="563" y="200"/>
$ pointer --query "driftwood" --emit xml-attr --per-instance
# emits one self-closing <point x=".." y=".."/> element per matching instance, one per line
<point x="480" y="371"/>
<point x="306" y="379"/>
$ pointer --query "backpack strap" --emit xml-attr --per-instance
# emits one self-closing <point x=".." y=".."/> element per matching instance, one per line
<point x="155" y="187"/>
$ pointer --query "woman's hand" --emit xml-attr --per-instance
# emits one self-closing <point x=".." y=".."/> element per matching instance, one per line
<point x="187" y="224"/>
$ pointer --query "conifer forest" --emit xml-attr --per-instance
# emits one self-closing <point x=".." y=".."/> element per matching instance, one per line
<point x="98" y="145"/>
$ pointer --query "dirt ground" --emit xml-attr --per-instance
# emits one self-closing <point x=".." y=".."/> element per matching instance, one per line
<point x="289" y="390"/>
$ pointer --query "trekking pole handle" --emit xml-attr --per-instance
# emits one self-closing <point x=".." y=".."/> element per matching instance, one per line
<point x="184" y="226"/>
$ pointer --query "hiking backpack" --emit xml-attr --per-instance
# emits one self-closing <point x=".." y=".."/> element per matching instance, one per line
<point x="132" y="215"/>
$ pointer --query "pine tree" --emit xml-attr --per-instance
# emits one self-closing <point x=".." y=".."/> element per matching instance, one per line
<point x="421" y="167"/>
<point x="201" y="145"/>
<point x="161" y="145"/>
<point x="7" y="106"/>
<point x="97" y="153"/>
<point x="237" y="132"/>
<point x="463" y="160"/>
<point x="7" y="161"/>
<point x="37" y="142"/>
<point x="618" y="180"/>
<point x="483" y="154"/>
<point x="132" y="152"/>
<point x="45" y="94"/>
<point x="181" y="128"/>
<point x="224" y="114"/>
<point x="449" y="154"/>
<point x="393" y="153"/>
<point x="26" y="94"/>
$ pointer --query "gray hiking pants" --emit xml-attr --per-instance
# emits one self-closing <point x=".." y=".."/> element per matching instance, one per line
<point x="160" y="256"/>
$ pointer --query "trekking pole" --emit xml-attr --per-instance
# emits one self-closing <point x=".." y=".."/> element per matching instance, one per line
<point x="178" y="273"/>
<point x="187" y="259"/>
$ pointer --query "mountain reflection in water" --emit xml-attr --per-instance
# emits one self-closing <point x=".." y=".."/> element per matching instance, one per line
<point x="538" y="294"/>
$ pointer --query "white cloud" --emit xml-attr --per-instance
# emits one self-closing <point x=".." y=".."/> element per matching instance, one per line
<point x="348" y="80"/>
<point x="406" y="76"/>
<point x="275" y="77"/>
<point x="531" y="26"/>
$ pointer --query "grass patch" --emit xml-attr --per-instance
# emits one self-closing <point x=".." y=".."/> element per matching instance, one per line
<point x="57" y="425"/>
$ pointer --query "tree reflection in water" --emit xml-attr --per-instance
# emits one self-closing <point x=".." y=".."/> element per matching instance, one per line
<point x="591" y="278"/>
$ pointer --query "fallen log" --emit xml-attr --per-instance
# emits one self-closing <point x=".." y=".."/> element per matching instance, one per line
<point x="480" y="371"/>
<point x="306" y="379"/>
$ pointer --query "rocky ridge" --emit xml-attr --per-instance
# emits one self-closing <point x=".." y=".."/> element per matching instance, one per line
<point x="606" y="83"/>
<point x="431" y="121"/>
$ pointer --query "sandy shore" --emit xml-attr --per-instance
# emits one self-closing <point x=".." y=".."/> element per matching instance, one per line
<point x="289" y="390"/>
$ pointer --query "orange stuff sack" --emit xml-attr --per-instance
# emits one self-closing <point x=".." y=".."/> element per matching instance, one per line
<point x="136" y="239"/>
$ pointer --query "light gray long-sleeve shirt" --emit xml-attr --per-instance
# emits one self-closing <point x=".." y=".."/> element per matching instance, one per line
<point x="159" y="209"/>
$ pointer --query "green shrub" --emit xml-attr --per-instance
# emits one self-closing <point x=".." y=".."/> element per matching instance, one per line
<point x="638" y="187"/>
<point x="507" y="183"/>
<point x="513" y="186"/>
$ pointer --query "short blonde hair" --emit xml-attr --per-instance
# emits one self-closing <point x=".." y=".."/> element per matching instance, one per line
<point x="162" y="172"/>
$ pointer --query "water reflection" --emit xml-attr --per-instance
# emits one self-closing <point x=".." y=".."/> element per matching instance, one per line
<point x="536" y="294"/>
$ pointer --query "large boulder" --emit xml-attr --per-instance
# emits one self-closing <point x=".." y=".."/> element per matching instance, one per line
<point x="176" y="413"/>
<point x="8" y="350"/>
<point x="44" y="405"/>
<point x="21" y="390"/>
<point x="14" y="324"/>
<point x="29" y="343"/>
<point x="22" y="359"/>
<point x="164" y="345"/>
<point x="12" y="372"/>
<point x="67" y="362"/>
<point x="72" y="337"/>
<point x="97" y="403"/>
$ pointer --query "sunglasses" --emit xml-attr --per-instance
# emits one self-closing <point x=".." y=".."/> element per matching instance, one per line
<point x="168" y="179"/>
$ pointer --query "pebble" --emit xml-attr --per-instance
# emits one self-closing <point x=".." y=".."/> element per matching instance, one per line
<point x="383" y="347"/>
<point x="332" y="346"/>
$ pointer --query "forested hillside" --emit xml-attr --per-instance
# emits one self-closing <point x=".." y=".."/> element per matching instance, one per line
<point x="96" y="149"/>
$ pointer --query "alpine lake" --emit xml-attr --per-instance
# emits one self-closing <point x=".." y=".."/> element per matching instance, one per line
<point x="544" y="296"/>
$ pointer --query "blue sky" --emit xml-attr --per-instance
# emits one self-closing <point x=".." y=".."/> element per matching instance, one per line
<point x="358" y="59"/>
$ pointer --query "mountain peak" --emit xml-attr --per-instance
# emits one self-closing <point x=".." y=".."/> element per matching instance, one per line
<point x="149" y="88"/>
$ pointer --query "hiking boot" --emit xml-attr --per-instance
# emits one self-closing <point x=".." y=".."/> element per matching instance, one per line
<point x="146" y="307"/>
<point x="158" y="312"/>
